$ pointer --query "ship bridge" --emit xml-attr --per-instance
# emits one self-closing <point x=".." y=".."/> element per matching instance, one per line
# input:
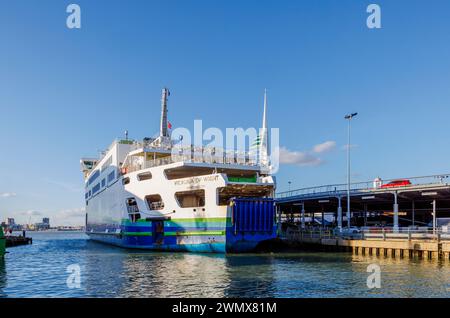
<point x="405" y="202"/>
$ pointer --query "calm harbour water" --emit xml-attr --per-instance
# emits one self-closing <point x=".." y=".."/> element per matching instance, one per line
<point x="39" y="270"/>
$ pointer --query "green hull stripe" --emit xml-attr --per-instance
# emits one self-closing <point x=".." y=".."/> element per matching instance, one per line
<point x="190" y="233"/>
<point x="137" y="233"/>
<point x="194" y="233"/>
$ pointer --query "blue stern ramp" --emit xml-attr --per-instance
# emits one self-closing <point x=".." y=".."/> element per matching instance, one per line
<point x="252" y="222"/>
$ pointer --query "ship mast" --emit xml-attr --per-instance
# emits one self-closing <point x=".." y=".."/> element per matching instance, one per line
<point x="163" y="139"/>
<point x="163" y="132"/>
<point x="263" y="156"/>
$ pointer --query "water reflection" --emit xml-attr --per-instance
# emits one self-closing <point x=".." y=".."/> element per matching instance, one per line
<point x="250" y="276"/>
<point x="103" y="270"/>
<point x="125" y="273"/>
<point x="176" y="275"/>
<point x="40" y="270"/>
<point x="407" y="277"/>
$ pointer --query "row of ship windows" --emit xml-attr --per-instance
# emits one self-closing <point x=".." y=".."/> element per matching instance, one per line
<point x="98" y="186"/>
<point x="97" y="173"/>
<point x="141" y="177"/>
<point x="111" y="177"/>
<point x="184" y="199"/>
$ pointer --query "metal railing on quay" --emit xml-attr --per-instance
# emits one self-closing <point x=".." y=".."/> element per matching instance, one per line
<point x="293" y="234"/>
<point x="387" y="233"/>
<point x="420" y="233"/>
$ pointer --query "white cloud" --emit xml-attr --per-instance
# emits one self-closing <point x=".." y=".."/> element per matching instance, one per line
<point x="324" y="147"/>
<point x="74" y="217"/>
<point x="7" y="195"/>
<point x="72" y="213"/>
<point x="298" y="158"/>
<point x="32" y="213"/>
<point x="306" y="158"/>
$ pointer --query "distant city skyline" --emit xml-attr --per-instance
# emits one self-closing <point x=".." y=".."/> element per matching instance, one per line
<point x="67" y="93"/>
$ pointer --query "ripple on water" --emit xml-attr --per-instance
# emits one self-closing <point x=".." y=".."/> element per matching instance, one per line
<point x="39" y="270"/>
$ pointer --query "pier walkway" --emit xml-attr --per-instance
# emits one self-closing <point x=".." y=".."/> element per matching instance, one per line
<point x="405" y="243"/>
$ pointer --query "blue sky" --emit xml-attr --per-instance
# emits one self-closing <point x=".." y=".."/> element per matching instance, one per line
<point x="67" y="93"/>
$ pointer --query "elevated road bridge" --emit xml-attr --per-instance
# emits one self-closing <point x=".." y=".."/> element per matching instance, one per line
<point x="415" y="201"/>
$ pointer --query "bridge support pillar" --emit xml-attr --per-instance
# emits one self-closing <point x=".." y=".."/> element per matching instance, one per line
<point x="339" y="214"/>
<point x="434" y="217"/>
<point x="395" y="212"/>
<point x="303" y="216"/>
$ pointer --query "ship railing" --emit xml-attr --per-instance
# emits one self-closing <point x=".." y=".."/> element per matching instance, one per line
<point x="298" y="235"/>
<point x="196" y="155"/>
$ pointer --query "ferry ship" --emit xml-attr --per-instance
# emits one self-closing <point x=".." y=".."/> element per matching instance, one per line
<point x="145" y="195"/>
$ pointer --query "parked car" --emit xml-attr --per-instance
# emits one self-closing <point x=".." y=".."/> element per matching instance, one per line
<point x="351" y="230"/>
<point x="348" y="231"/>
<point x="396" y="183"/>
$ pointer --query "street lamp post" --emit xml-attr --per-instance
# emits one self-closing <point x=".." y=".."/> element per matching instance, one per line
<point x="349" y="118"/>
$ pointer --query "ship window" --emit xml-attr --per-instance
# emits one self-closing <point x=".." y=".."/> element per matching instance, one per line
<point x="107" y="163"/>
<point x="103" y="183"/>
<point x="111" y="176"/>
<point x="154" y="202"/>
<point x="126" y="180"/>
<point x="94" y="176"/>
<point x="190" y="199"/>
<point x="133" y="209"/>
<point x="96" y="188"/>
<point x="144" y="176"/>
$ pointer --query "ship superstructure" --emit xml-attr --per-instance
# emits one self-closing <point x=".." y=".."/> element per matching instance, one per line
<point x="143" y="194"/>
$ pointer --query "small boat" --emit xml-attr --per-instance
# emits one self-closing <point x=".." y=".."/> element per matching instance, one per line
<point x="2" y="242"/>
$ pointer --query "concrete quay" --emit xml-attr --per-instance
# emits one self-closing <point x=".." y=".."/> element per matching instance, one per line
<point x="401" y="248"/>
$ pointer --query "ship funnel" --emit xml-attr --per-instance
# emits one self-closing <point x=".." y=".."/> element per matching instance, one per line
<point x="163" y="132"/>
